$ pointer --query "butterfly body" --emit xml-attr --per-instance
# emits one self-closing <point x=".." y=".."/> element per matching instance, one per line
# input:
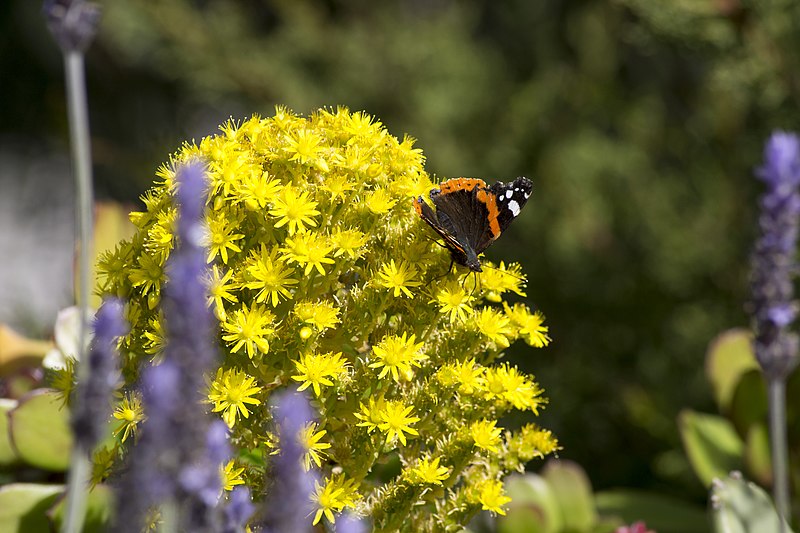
<point x="470" y="215"/>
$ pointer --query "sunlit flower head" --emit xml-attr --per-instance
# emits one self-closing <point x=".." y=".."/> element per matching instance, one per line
<point x="398" y="279"/>
<point x="294" y="210"/>
<point x="310" y="438"/>
<point x="231" y="476"/>
<point x="397" y="421"/>
<point x="231" y="392"/>
<point x="249" y="328"/>
<point x="316" y="370"/>
<point x="130" y="413"/>
<point x="398" y="354"/>
<point x="309" y="250"/>
<point x="428" y="471"/>
<point x="491" y="496"/>
<point x="269" y="275"/>
<point x="453" y="300"/>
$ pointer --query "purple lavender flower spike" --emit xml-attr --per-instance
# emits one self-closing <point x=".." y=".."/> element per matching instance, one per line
<point x="288" y="501"/>
<point x="772" y="306"/>
<point x="349" y="523"/>
<point x="238" y="510"/>
<point x="178" y="455"/>
<point x="73" y="23"/>
<point x="94" y="395"/>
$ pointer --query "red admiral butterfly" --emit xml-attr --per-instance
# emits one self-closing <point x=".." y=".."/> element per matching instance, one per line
<point x="471" y="215"/>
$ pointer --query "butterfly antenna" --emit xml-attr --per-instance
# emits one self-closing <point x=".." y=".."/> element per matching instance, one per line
<point x="506" y="272"/>
<point x="464" y="281"/>
<point x="446" y="272"/>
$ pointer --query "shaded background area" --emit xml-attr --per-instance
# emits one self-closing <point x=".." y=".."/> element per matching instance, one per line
<point x="640" y="122"/>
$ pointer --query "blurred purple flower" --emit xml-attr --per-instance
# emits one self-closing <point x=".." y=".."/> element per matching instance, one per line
<point x="288" y="505"/>
<point x="349" y="523"/>
<point x="772" y="306"/>
<point x="73" y="23"/>
<point x="93" y="396"/>
<point x="238" y="510"/>
<point x="178" y="455"/>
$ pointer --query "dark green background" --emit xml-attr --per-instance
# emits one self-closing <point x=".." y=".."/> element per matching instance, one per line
<point x="640" y="122"/>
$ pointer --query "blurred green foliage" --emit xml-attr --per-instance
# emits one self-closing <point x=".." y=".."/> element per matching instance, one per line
<point x="639" y="120"/>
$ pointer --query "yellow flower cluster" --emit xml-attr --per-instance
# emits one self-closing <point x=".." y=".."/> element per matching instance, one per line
<point x="322" y="277"/>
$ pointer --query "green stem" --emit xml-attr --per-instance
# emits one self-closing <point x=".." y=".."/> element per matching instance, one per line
<point x="780" y="461"/>
<point x="79" y="134"/>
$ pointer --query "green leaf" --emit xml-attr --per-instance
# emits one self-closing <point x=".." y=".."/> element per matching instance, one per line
<point x="533" y="507"/>
<point x="711" y="443"/>
<point x="660" y="513"/>
<point x="99" y="503"/>
<point x="7" y="455"/>
<point x="740" y="506"/>
<point x="23" y="507"/>
<point x="729" y="356"/>
<point x="757" y="454"/>
<point x="749" y="404"/>
<point x="573" y="493"/>
<point x="40" y="431"/>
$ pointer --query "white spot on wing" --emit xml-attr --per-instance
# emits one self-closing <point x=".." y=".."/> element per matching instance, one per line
<point x="514" y="207"/>
<point x="508" y="195"/>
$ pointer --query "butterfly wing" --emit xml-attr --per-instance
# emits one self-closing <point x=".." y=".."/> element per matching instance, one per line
<point x="503" y="202"/>
<point x="442" y="224"/>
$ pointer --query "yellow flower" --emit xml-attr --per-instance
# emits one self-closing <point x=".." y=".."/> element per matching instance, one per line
<point x="337" y="493"/>
<point x="309" y="439"/>
<point x="249" y="328"/>
<point x="496" y="281"/>
<point x="397" y="422"/>
<point x="149" y="273"/>
<point x="428" y="472"/>
<point x="371" y="415"/>
<point x="63" y="380"/>
<point x="221" y="238"/>
<point x="397" y="354"/>
<point x="231" y="392"/>
<point x="227" y="167"/>
<point x="337" y="186"/>
<point x="112" y="267"/>
<point x="491" y="496"/>
<point x="309" y="250"/>
<point x="315" y="369"/>
<point x="294" y="211"/>
<point x="269" y="276"/>
<point x="505" y="384"/>
<point x="322" y="315"/>
<point x="360" y="124"/>
<point x="305" y="147"/>
<point x="161" y="234"/>
<point x="257" y="189"/>
<point x="230" y="476"/>
<point x="453" y="299"/>
<point x="350" y="242"/>
<point x="103" y="464"/>
<point x="380" y="201"/>
<point x="220" y="287"/>
<point x="129" y="412"/>
<point x="398" y="279"/>
<point x="532" y="441"/>
<point x="486" y="435"/>
<point x="154" y="335"/>
<point x="531" y="326"/>
<point x="493" y="325"/>
<point x="467" y="375"/>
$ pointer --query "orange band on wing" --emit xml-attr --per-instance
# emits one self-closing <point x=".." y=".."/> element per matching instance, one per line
<point x="490" y="200"/>
<point x="417" y="206"/>
<point x="461" y="184"/>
